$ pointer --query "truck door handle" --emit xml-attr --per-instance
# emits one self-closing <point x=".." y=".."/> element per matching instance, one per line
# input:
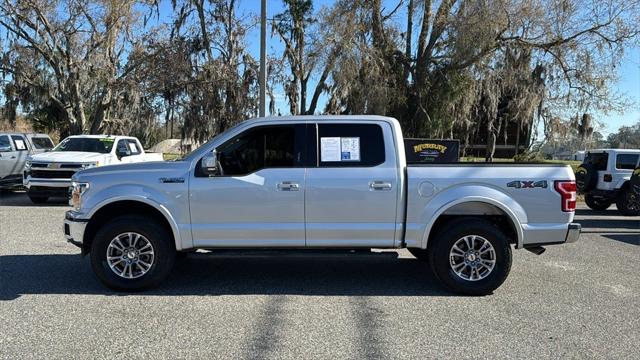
<point x="288" y="186"/>
<point x="380" y="185"/>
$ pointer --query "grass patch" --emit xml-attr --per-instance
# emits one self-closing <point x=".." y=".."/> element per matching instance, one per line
<point x="170" y="156"/>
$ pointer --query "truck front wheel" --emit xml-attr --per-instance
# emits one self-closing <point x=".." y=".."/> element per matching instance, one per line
<point x="132" y="253"/>
<point x="470" y="256"/>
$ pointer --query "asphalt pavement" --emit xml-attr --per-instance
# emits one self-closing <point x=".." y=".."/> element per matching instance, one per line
<point x="577" y="300"/>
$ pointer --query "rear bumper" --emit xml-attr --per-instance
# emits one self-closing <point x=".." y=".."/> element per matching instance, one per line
<point x="550" y="234"/>
<point x="74" y="227"/>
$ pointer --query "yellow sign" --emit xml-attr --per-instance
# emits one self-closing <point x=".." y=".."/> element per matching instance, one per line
<point x="438" y="147"/>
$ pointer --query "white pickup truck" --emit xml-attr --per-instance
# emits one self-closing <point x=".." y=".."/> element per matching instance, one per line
<point x="318" y="182"/>
<point x="49" y="174"/>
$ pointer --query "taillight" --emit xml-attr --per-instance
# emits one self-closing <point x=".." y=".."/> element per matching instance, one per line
<point x="608" y="178"/>
<point x="567" y="190"/>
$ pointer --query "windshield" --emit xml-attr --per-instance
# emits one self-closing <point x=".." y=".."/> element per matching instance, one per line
<point x="94" y="145"/>
<point x="41" y="143"/>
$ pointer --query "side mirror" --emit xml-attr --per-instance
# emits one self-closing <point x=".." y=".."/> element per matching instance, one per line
<point x="5" y="148"/>
<point x="209" y="164"/>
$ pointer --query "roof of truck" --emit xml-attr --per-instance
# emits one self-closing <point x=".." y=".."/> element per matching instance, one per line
<point x="100" y="136"/>
<point x="325" y="118"/>
<point x="623" y="151"/>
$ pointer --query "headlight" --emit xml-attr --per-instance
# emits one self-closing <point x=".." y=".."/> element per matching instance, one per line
<point x="27" y="165"/>
<point x="77" y="190"/>
<point x="90" y="165"/>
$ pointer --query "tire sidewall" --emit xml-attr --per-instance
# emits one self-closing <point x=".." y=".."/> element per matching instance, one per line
<point x="596" y="204"/>
<point x="586" y="177"/>
<point x="439" y="257"/>
<point x="634" y="183"/>
<point x="622" y="203"/>
<point x="164" y="253"/>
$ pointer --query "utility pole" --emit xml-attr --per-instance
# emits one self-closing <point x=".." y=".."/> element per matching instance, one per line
<point x="263" y="58"/>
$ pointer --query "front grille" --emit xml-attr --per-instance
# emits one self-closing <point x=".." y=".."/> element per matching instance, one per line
<point x="52" y="174"/>
<point x="60" y="165"/>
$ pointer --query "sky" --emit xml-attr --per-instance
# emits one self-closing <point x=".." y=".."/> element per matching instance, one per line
<point x="627" y="85"/>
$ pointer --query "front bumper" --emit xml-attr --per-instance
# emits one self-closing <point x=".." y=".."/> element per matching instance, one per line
<point x="28" y="182"/>
<point x="74" y="227"/>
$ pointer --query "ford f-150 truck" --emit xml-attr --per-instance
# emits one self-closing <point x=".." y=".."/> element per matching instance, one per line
<point x="318" y="182"/>
<point x="49" y="174"/>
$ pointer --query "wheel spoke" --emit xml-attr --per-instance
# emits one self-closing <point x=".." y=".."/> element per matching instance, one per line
<point x="476" y="262"/>
<point x="130" y="266"/>
<point x="456" y="250"/>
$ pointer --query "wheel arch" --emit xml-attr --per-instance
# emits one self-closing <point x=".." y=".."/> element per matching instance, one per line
<point x="115" y="207"/>
<point x="479" y="207"/>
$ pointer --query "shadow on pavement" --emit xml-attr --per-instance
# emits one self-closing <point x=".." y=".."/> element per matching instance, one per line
<point x="201" y="274"/>
<point x="20" y="198"/>
<point x="612" y="211"/>
<point x="632" y="222"/>
<point x="633" y="239"/>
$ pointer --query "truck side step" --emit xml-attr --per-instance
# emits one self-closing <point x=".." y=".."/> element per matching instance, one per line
<point x="538" y="250"/>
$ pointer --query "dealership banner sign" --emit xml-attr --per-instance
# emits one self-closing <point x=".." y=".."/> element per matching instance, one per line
<point x="432" y="151"/>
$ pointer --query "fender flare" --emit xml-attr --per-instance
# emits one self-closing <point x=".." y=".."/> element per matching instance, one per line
<point x="145" y="200"/>
<point x="517" y="217"/>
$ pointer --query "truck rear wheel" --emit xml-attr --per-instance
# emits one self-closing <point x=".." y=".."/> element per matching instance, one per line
<point x="470" y="256"/>
<point x="628" y="202"/>
<point x="132" y="253"/>
<point x="596" y="203"/>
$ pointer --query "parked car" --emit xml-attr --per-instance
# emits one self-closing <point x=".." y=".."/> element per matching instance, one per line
<point x="318" y="182"/>
<point x="604" y="177"/>
<point x="15" y="148"/>
<point x="49" y="174"/>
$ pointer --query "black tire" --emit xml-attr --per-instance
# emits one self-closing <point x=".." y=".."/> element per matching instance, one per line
<point x="586" y="177"/>
<point x="439" y="256"/>
<point x="628" y="202"/>
<point x="420" y="254"/>
<point x="597" y="203"/>
<point x="634" y="183"/>
<point x="37" y="199"/>
<point x="163" y="247"/>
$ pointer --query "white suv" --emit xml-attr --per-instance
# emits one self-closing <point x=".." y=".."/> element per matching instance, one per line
<point x="604" y="177"/>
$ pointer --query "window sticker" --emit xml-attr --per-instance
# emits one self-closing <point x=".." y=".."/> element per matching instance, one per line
<point x="329" y="149"/>
<point x="350" y="149"/>
<point x="20" y="145"/>
<point x="133" y="148"/>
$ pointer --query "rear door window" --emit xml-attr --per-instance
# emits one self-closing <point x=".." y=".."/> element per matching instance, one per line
<point x="598" y="160"/>
<point x="19" y="143"/>
<point x="133" y="147"/>
<point x="350" y="145"/>
<point x="626" y="161"/>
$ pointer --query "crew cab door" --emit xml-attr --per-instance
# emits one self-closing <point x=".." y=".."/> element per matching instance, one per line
<point x="13" y="154"/>
<point x="8" y="158"/>
<point x="258" y="199"/>
<point x="351" y="195"/>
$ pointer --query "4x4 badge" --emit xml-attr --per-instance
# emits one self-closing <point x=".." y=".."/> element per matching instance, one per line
<point x="523" y="184"/>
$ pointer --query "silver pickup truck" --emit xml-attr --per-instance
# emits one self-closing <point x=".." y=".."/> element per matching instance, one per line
<point x="318" y="182"/>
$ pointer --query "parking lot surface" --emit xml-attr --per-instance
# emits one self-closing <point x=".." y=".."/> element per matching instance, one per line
<point x="577" y="300"/>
